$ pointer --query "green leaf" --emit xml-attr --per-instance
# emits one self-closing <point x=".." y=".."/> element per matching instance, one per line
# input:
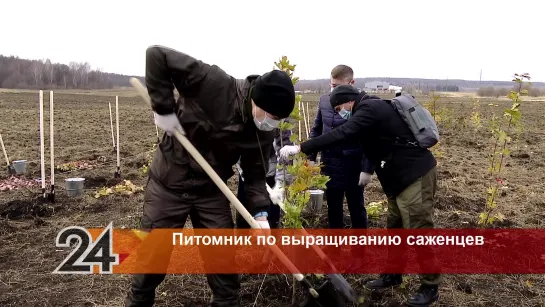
<point x="513" y="113"/>
<point x="482" y="218"/>
<point x="295" y="115"/>
<point x="285" y="125"/>
<point x="499" y="216"/>
<point x="293" y="138"/>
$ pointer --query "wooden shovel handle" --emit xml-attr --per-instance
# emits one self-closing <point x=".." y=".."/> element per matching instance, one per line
<point x="4" y="150"/>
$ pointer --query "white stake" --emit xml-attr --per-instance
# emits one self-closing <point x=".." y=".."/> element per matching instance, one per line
<point x="51" y="144"/>
<point x="308" y="117"/>
<point x="300" y="138"/>
<point x="4" y="151"/>
<point x="42" y="149"/>
<point x="118" y="172"/>
<point x="305" y="119"/>
<point x="111" y="124"/>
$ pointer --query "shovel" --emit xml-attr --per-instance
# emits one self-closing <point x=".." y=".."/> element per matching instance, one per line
<point x="322" y="297"/>
<point x="11" y="170"/>
<point x="338" y="281"/>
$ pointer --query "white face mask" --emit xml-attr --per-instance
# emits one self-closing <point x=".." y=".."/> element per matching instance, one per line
<point x="345" y="114"/>
<point x="268" y="124"/>
<point x="264" y="125"/>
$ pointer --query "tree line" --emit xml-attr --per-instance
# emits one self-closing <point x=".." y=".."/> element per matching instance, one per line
<point x="20" y="73"/>
<point x="490" y="91"/>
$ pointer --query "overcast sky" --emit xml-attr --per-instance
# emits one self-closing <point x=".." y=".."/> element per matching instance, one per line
<point x="395" y="38"/>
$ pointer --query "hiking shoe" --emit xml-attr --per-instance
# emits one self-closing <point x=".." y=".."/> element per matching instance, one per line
<point x="385" y="281"/>
<point x="424" y="296"/>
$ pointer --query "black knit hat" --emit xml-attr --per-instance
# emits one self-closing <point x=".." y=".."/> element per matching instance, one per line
<point x="274" y="93"/>
<point x="343" y="94"/>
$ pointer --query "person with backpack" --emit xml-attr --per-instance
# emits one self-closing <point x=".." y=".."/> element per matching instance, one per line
<point x="345" y="165"/>
<point x="405" y="168"/>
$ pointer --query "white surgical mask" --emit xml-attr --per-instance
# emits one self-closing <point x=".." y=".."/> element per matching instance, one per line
<point x="345" y="113"/>
<point x="267" y="124"/>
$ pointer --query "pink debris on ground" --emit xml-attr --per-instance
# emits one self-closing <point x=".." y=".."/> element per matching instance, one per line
<point x="15" y="183"/>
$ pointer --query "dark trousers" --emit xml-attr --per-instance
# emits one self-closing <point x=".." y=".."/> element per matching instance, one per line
<point x="354" y="197"/>
<point x="165" y="209"/>
<point x="273" y="212"/>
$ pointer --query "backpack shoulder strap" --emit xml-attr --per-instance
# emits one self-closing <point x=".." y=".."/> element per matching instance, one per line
<point x="396" y="139"/>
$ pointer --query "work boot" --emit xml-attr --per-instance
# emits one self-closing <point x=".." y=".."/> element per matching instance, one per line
<point x="385" y="281"/>
<point x="424" y="296"/>
<point x="225" y="303"/>
<point x="134" y="301"/>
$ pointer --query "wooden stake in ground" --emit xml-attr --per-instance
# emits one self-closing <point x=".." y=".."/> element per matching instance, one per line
<point x="118" y="171"/>
<point x="308" y="118"/>
<point x="305" y="119"/>
<point x="51" y="144"/>
<point x="112" y="124"/>
<point x="42" y="149"/>
<point x="300" y="138"/>
<point x="10" y="169"/>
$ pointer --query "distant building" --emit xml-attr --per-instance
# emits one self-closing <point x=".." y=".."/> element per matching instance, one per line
<point x="394" y="88"/>
<point x="376" y="86"/>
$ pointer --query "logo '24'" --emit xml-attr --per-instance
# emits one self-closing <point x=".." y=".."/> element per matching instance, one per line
<point x="87" y="253"/>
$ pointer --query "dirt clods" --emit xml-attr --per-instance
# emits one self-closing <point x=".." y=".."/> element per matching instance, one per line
<point x="20" y="209"/>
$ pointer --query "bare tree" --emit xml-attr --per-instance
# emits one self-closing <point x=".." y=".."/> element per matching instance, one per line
<point x="100" y="77"/>
<point x="74" y="68"/>
<point x="83" y="72"/>
<point x="36" y="69"/>
<point x="49" y="71"/>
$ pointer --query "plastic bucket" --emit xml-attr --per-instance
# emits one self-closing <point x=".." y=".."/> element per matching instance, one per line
<point x="74" y="186"/>
<point x="316" y="200"/>
<point x="19" y="166"/>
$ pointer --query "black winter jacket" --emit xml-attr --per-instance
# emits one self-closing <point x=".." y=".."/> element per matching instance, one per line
<point x="216" y="114"/>
<point x="383" y="136"/>
<point x="344" y="161"/>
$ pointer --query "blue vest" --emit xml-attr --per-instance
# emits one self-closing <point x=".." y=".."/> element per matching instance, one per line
<point x="342" y="162"/>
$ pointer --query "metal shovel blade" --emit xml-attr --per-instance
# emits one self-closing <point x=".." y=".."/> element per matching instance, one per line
<point x="340" y="283"/>
<point x="328" y="297"/>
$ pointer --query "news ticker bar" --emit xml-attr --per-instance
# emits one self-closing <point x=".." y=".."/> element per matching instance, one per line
<point x="355" y="251"/>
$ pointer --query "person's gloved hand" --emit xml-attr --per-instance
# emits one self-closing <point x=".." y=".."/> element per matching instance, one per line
<point x="365" y="179"/>
<point x="264" y="224"/>
<point x="169" y="123"/>
<point x="289" y="150"/>
<point x="277" y="193"/>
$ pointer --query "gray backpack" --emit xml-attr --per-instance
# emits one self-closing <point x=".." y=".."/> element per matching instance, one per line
<point x="419" y="120"/>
